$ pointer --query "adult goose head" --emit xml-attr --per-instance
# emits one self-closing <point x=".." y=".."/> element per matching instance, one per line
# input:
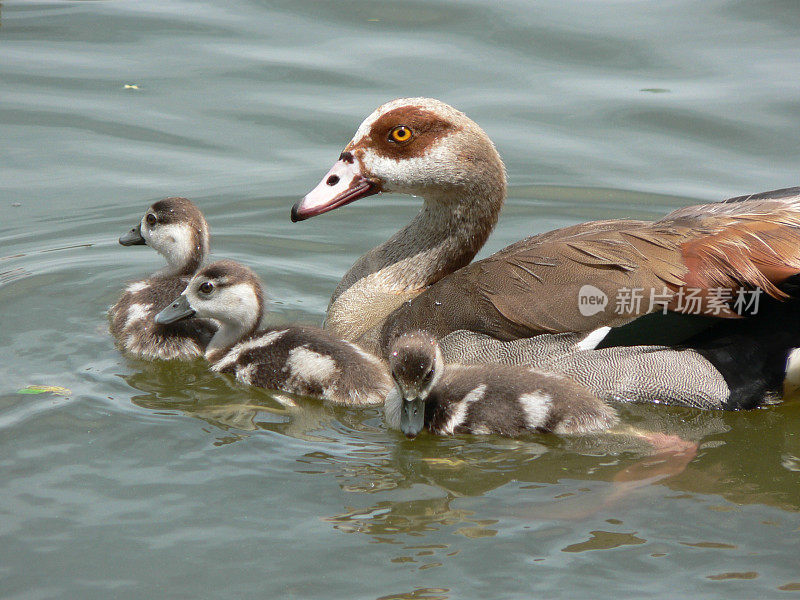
<point x="418" y="278"/>
<point x="426" y="148"/>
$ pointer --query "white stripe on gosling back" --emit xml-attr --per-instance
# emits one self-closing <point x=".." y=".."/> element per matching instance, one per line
<point x="459" y="413"/>
<point x="307" y="363"/>
<point x="137" y="286"/>
<point x="536" y="406"/>
<point x="245" y="374"/>
<point x="137" y="312"/>
<point x="258" y="341"/>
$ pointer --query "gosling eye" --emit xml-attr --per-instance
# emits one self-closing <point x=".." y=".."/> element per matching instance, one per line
<point x="400" y="134"/>
<point x="206" y="287"/>
<point x="428" y="376"/>
<point x="151" y="219"/>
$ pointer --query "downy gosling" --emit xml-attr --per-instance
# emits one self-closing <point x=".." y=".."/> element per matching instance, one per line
<point x="483" y="399"/>
<point x="176" y="229"/>
<point x="296" y="359"/>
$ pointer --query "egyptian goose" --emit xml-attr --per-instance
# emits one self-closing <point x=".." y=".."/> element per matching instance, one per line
<point x="295" y="359"/>
<point x="483" y="399"/>
<point x="421" y="277"/>
<point x="176" y="229"/>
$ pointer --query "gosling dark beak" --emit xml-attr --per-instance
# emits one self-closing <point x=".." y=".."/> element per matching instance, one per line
<point x="343" y="184"/>
<point x="133" y="237"/>
<point x="179" y="309"/>
<point x="412" y="417"/>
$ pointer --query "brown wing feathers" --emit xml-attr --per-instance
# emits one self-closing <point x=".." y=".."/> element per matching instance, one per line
<point x="533" y="286"/>
<point x="755" y="246"/>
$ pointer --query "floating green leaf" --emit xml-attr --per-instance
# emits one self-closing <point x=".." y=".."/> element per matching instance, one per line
<point x="45" y="389"/>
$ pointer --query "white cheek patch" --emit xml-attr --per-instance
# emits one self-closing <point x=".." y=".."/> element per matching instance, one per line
<point x="459" y="414"/>
<point x="243" y="305"/>
<point x="536" y="407"/>
<point x="175" y="242"/>
<point x="236" y="304"/>
<point x="411" y="174"/>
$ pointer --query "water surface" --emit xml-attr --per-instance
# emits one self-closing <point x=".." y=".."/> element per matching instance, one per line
<point x="162" y="480"/>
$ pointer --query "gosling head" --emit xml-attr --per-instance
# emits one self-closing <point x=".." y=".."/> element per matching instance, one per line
<point x="416" y="364"/>
<point x="225" y="291"/>
<point x="417" y="146"/>
<point x="176" y="229"/>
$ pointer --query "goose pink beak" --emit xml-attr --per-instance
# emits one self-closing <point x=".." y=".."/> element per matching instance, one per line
<point x="343" y="184"/>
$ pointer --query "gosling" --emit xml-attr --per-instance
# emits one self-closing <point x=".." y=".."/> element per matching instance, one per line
<point x="296" y="359"/>
<point x="483" y="399"/>
<point x="176" y="229"/>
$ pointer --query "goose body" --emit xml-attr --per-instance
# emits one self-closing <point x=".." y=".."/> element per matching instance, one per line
<point x="733" y="364"/>
<point x="296" y="359"/>
<point x="421" y="277"/>
<point x="177" y="230"/>
<point x="483" y="399"/>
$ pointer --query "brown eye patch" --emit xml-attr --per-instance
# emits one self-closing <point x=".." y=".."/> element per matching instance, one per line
<point x="406" y="131"/>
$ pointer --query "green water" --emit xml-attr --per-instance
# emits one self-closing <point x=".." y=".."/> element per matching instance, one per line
<point x="150" y="481"/>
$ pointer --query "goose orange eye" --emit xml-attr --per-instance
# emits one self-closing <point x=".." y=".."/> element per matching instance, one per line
<point x="206" y="287"/>
<point x="151" y="219"/>
<point x="400" y="134"/>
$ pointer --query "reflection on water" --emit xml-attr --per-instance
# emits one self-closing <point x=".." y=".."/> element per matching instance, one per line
<point x="411" y="518"/>
<point x="420" y="594"/>
<point x="419" y="483"/>
<point x="427" y="501"/>
<point x="403" y="492"/>
<point x="373" y="460"/>
<point x="192" y="389"/>
<point x="605" y="540"/>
